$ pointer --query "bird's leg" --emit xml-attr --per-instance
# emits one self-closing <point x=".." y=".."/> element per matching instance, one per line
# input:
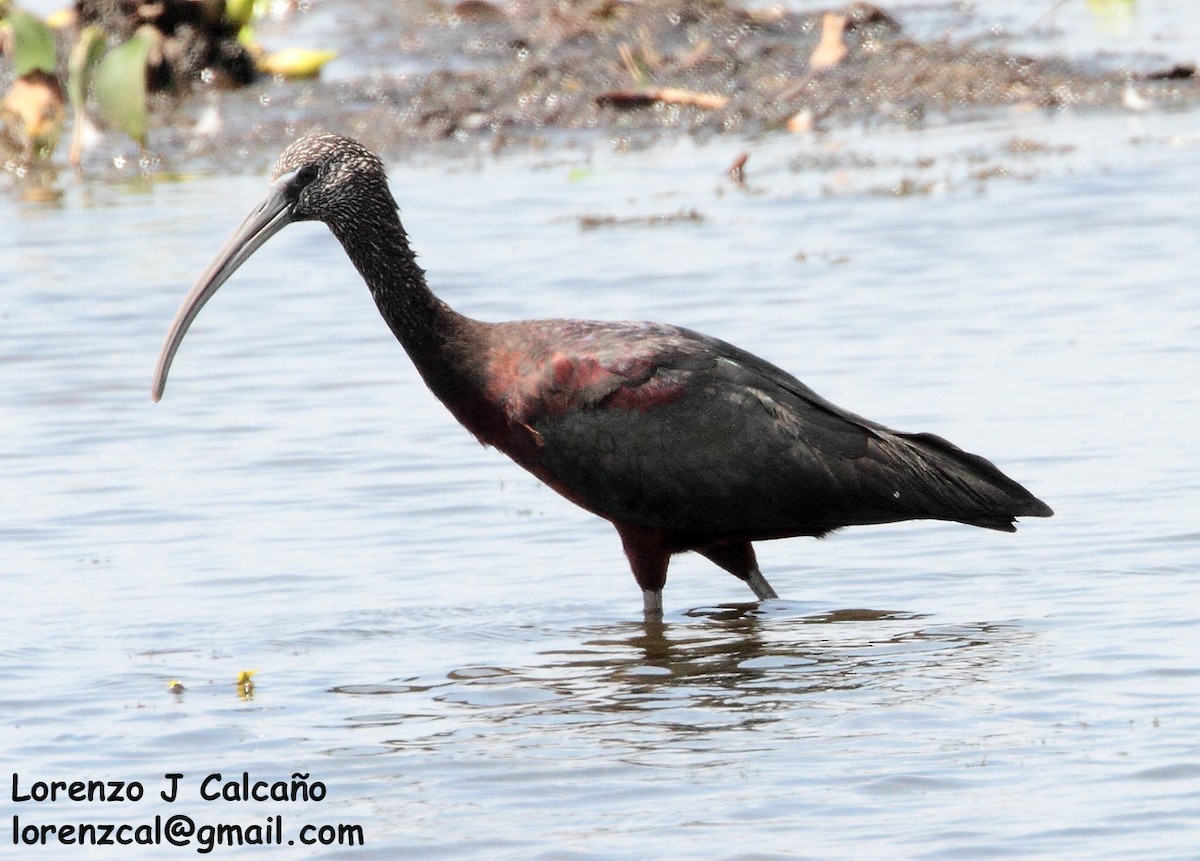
<point x="761" y="588"/>
<point x="740" y="561"/>
<point x="646" y="550"/>
<point x="652" y="603"/>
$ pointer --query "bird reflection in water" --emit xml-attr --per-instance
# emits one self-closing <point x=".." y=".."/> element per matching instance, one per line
<point x="732" y="665"/>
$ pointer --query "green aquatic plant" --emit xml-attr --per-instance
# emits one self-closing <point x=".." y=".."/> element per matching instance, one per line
<point x="34" y="107"/>
<point x="110" y="80"/>
<point x="32" y="43"/>
<point x="32" y="111"/>
<point x="119" y="83"/>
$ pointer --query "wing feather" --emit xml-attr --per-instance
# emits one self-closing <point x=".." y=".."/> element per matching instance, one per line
<point x="667" y="428"/>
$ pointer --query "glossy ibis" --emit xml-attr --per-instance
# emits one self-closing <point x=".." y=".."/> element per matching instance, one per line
<point x="681" y="441"/>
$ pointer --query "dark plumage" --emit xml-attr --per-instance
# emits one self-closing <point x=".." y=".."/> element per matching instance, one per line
<point x="681" y="441"/>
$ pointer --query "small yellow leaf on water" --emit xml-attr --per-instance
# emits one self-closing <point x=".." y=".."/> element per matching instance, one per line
<point x="61" y="19"/>
<point x="295" y="62"/>
<point x="1113" y="17"/>
<point x="245" y="684"/>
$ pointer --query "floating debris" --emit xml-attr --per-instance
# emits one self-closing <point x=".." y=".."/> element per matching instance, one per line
<point x="831" y="50"/>
<point x="32" y="114"/>
<point x="245" y="684"/>
<point x="591" y="222"/>
<point x="737" y="170"/>
<point x="1178" y="72"/>
<point x="641" y="98"/>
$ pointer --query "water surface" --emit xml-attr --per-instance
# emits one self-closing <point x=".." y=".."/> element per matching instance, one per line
<point x="458" y="654"/>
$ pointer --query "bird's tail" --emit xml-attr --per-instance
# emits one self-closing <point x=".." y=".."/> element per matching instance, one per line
<point x="964" y="487"/>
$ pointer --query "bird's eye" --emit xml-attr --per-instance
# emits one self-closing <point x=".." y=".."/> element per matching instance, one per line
<point x="305" y="175"/>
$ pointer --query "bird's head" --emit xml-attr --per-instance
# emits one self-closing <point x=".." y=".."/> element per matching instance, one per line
<point x="322" y="177"/>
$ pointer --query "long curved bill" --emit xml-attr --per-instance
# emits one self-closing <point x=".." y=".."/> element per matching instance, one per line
<point x="271" y="215"/>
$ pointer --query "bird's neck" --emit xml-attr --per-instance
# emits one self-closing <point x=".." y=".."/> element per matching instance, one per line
<point x="437" y="338"/>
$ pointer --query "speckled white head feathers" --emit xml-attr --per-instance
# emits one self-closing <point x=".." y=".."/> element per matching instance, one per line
<point x="329" y="172"/>
<point x="327" y="150"/>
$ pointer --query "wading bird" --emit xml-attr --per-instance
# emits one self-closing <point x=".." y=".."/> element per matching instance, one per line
<point x="681" y="441"/>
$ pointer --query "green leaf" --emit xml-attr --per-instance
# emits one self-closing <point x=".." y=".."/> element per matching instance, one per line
<point x="33" y="44"/>
<point x="82" y="62"/>
<point x="239" y="12"/>
<point x="120" y="85"/>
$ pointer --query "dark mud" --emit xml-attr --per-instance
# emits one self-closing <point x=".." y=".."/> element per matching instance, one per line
<point x="536" y="71"/>
<point x="475" y="75"/>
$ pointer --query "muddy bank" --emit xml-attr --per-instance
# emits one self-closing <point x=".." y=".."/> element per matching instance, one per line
<point x="480" y="75"/>
<point x="527" y="72"/>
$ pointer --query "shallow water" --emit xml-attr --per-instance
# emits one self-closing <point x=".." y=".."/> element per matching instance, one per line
<point x="458" y="655"/>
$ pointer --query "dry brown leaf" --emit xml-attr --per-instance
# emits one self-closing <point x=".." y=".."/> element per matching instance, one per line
<point x="674" y="95"/>
<point x="670" y="95"/>
<point x="801" y="122"/>
<point x="737" y="170"/>
<point x="831" y="50"/>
